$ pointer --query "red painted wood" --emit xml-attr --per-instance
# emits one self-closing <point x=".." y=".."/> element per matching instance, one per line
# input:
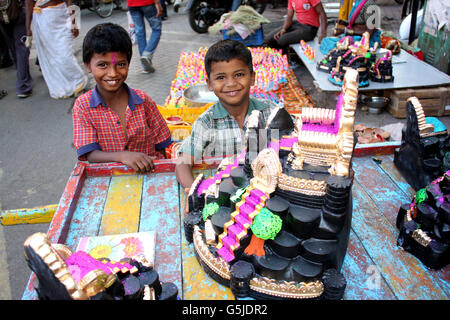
<point x="60" y="224"/>
<point x="161" y="166"/>
<point x="376" y="149"/>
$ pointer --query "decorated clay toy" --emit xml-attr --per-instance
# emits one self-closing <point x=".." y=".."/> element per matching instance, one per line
<point x="63" y="275"/>
<point x="359" y="57"/>
<point x="329" y="61"/>
<point x="424" y="224"/>
<point x="281" y="210"/>
<point x="424" y="153"/>
<point x="381" y="70"/>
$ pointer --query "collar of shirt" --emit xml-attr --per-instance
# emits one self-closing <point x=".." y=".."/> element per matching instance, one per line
<point x="220" y="112"/>
<point x="133" y="98"/>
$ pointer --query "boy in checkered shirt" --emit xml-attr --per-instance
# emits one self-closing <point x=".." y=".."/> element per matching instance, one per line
<point x="219" y="131"/>
<point x="113" y="122"/>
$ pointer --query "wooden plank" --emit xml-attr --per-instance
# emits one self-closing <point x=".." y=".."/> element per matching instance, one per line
<point x="160" y="212"/>
<point x="41" y="214"/>
<point x="385" y="195"/>
<point x="364" y="280"/>
<point x="197" y="284"/>
<point x="57" y="232"/>
<point x="88" y="213"/>
<point x="405" y="274"/>
<point x="388" y="166"/>
<point x="375" y="149"/>
<point x="123" y="205"/>
<point x="59" y="226"/>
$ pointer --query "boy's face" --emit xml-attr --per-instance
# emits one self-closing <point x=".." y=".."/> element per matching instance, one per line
<point x="231" y="82"/>
<point x="110" y="70"/>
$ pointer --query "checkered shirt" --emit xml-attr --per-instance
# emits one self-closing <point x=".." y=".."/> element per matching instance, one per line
<point x="216" y="133"/>
<point x="97" y="127"/>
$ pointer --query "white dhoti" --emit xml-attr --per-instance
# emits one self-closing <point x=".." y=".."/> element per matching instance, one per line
<point x="54" y="43"/>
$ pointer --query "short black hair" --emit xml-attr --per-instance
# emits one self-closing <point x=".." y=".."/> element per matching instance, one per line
<point x="225" y="50"/>
<point x="106" y="37"/>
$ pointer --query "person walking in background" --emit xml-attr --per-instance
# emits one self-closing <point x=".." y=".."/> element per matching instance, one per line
<point x="14" y="34"/>
<point x="50" y="20"/>
<point x="164" y="15"/>
<point x="152" y="11"/>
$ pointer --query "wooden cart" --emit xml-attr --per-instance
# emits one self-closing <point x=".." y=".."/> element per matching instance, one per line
<point x="101" y="199"/>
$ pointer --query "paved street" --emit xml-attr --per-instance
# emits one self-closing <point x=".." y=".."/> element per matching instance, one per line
<point x="37" y="155"/>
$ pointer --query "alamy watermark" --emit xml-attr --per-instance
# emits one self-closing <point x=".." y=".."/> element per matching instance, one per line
<point x="374" y="19"/>
<point x="74" y="20"/>
<point x="373" y="282"/>
<point x="209" y="144"/>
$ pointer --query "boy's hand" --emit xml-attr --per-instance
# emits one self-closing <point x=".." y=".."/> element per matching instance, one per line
<point x="140" y="162"/>
<point x="186" y="203"/>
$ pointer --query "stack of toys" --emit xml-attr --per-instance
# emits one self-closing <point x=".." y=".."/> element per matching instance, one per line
<point x="309" y="52"/>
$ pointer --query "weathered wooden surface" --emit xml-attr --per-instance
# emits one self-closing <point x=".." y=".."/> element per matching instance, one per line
<point x="42" y="214"/>
<point x="160" y="212"/>
<point x="111" y="200"/>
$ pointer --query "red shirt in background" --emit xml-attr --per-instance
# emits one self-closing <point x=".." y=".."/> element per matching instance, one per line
<point x="305" y="11"/>
<point x="140" y="3"/>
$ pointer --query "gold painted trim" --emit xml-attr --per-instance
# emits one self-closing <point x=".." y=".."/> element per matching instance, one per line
<point x="40" y="244"/>
<point x="281" y="289"/>
<point x="309" y="187"/>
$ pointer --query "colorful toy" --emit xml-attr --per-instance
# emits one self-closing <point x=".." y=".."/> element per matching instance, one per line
<point x="381" y="70"/>
<point x="359" y="57"/>
<point x="280" y="212"/>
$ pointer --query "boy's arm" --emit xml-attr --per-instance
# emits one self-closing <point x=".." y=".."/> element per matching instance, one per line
<point x="183" y="170"/>
<point x="156" y="121"/>
<point x="286" y="25"/>
<point x="323" y="21"/>
<point x="139" y="162"/>
<point x="158" y="6"/>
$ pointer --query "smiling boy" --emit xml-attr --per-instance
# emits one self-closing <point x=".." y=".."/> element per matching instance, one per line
<point x="113" y="122"/>
<point x="219" y="131"/>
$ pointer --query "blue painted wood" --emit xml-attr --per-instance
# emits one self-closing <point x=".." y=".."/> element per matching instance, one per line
<point x="405" y="274"/>
<point x="388" y="190"/>
<point x="88" y="213"/>
<point x="385" y="195"/>
<point x="389" y="168"/>
<point x="364" y="280"/>
<point x="160" y="211"/>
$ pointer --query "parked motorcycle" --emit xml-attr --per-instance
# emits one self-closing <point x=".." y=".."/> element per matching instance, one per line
<point x="205" y="13"/>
